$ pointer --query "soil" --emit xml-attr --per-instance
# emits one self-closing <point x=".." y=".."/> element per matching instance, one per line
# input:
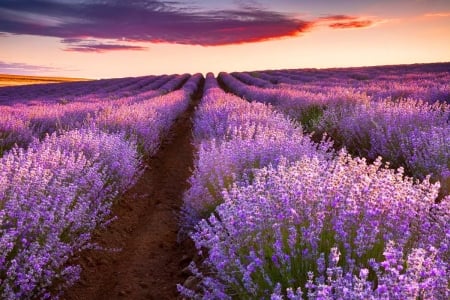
<point x="150" y="262"/>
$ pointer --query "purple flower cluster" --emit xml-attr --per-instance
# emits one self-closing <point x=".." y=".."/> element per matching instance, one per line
<point x="114" y="152"/>
<point x="20" y="120"/>
<point x="241" y="136"/>
<point x="407" y="133"/>
<point x="325" y="229"/>
<point x="147" y="120"/>
<point x="52" y="196"/>
<point x="13" y="131"/>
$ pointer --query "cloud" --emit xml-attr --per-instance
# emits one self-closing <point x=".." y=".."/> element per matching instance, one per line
<point x="23" y="68"/>
<point x="351" y="24"/>
<point x="100" y="48"/>
<point x="90" y="45"/>
<point x="152" y="21"/>
<point x="337" y="18"/>
<point x="441" y="14"/>
<point x="344" y="21"/>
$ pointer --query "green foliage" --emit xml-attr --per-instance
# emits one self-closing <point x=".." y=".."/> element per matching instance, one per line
<point x="310" y="116"/>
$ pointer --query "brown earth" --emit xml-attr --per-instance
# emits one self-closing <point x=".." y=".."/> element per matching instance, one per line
<point x="151" y="261"/>
<point x="14" y="80"/>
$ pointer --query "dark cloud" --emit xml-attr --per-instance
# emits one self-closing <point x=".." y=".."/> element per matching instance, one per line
<point x="337" y="18"/>
<point x="150" y="21"/>
<point x="344" y="21"/>
<point x="351" y="24"/>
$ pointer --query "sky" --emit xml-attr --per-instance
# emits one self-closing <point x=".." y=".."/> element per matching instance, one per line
<point x="120" y="38"/>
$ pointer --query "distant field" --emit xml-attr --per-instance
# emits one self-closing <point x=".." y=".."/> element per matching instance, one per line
<point x="313" y="181"/>
<point x="12" y="80"/>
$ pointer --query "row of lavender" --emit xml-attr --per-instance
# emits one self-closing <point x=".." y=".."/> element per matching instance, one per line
<point x="391" y="117"/>
<point x="54" y="193"/>
<point x="21" y="121"/>
<point x="63" y="92"/>
<point x="428" y="82"/>
<point x="274" y="215"/>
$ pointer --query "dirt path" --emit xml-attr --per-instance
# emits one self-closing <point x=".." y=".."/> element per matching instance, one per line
<point x="150" y="263"/>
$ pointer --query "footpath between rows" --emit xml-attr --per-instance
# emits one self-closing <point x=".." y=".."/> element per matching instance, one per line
<point x="150" y="262"/>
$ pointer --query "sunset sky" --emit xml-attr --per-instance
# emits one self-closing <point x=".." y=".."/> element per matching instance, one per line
<point x="112" y="38"/>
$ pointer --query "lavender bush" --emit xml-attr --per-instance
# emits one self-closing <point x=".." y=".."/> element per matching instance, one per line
<point x="242" y="136"/>
<point x="407" y="133"/>
<point x="116" y="154"/>
<point x="285" y="220"/>
<point x="370" y="111"/>
<point x="325" y="229"/>
<point x="13" y="131"/>
<point x="147" y="120"/>
<point x="20" y="120"/>
<point x="52" y="196"/>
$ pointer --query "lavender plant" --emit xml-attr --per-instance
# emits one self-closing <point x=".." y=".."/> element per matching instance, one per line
<point x="13" y="131"/>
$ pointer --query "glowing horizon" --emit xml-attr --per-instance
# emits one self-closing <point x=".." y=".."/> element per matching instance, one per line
<point x="101" y="39"/>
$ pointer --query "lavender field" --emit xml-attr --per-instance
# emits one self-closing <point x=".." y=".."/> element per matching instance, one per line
<point x="306" y="183"/>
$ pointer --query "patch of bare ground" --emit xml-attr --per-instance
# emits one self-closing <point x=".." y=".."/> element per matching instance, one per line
<point x="151" y="261"/>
